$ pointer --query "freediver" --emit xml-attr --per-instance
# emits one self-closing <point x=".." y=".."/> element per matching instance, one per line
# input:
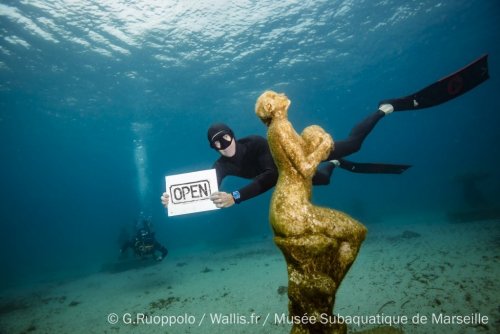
<point x="250" y="157"/>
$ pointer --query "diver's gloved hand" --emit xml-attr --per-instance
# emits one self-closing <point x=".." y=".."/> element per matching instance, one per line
<point x="222" y="199"/>
<point x="165" y="199"/>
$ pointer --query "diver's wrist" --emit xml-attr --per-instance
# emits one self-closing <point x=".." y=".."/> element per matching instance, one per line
<point x="236" y="196"/>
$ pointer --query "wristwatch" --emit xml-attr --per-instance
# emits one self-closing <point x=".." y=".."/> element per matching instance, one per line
<point x="236" y="196"/>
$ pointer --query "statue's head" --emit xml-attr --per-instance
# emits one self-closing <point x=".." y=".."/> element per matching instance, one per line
<point x="271" y="105"/>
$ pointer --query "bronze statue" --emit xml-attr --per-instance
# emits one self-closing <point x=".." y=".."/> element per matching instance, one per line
<point x="319" y="244"/>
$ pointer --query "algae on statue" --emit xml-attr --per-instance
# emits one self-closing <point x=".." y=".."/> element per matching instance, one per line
<point x="319" y="244"/>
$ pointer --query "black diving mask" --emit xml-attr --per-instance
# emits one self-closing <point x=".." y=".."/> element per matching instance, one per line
<point x="221" y="140"/>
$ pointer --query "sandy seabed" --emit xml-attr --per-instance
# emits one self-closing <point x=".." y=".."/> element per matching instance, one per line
<point x="418" y="274"/>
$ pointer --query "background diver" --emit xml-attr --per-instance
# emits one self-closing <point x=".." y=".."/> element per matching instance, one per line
<point x="144" y="243"/>
<point x="250" y="157"/>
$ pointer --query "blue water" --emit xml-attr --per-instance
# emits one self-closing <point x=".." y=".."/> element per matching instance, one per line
<point x="99" y="100"/>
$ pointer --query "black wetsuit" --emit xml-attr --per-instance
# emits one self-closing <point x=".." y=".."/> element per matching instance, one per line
<point x="145" y="246"/>
<point x="253" y="160"/>
<point x="358" y="134"/>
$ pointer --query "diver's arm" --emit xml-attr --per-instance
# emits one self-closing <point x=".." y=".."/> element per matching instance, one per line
<point x="259" y="185"/>
<point x="265" y="180"/>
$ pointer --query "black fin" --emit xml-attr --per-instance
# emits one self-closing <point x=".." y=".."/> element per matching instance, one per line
<point x="448" y="88"/>
<point x="372" y="168"/>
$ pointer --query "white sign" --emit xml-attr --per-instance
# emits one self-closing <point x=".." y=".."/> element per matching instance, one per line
<point x="190" y="192"/>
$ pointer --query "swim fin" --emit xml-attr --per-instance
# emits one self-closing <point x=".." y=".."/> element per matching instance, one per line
<point x="448" y="88"/>
<point x="372" y="168"/>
